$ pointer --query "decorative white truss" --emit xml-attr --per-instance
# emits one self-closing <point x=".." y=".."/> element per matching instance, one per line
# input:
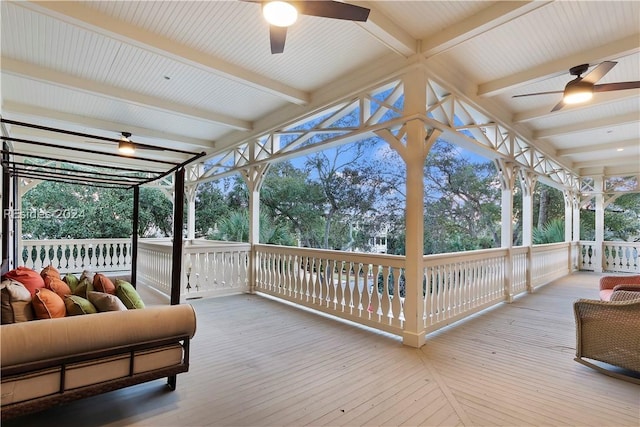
<point x="381" y="109"/>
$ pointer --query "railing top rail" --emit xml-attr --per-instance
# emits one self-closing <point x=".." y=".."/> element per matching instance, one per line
<point x="73" y="241"/>
<point x="466" y="256"/>
<point x="366" y="258"/>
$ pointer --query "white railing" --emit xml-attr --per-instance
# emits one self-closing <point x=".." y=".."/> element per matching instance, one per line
<point x="622" y="257"/>
<point x="549" y="262"/>
<point x="76" y="255"/>
<point x="364" y="288"/>
<point x="209" y="268"/>
<point x="457" y="285"/>
<point x="214" y="268"/>
<point x="154" y="264"/>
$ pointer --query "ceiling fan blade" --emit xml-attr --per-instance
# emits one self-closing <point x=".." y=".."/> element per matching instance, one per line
<point x="599" y="72"/>
<point x="277" y="35"/>
<point x="558" y="106"/>
<point x="607" y="87"/>
<point x="332" y="9"/>
<point x="538" y="93"/>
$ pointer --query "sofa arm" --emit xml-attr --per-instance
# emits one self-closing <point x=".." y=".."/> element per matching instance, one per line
<point x="52" y="338"/>
<point x="610" y="282"/>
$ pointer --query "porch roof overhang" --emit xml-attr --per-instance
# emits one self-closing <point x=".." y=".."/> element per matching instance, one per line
<point x="200" y="77"/>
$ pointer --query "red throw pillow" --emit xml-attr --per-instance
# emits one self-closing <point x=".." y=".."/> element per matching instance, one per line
<point x="28" y="277"/>
<point x="48" y="305"/>
<point x="102" y="283"/>
<point x="57" y="286"/>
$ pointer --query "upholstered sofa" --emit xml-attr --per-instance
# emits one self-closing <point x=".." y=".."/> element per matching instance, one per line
<point x="52" y="361"/>
<point x="609" y="332"/>
<point x="609" y="284"/>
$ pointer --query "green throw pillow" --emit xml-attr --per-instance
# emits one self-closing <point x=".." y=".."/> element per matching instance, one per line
<point x="72" y="281"/>
<point x="84" y="287"/>
<point x="76" y="305"/>
<point x="128" y="295"/>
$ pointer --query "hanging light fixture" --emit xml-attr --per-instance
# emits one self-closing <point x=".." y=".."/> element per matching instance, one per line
<point x="280" y="13"/>
<point x="125" y="146"/>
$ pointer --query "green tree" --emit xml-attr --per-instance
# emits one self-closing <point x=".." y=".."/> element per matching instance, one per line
<point x="462" y="201"/>
<point x="53" y="210"/>
<point x="211" y="207"/>
<point x="350" y="186"/>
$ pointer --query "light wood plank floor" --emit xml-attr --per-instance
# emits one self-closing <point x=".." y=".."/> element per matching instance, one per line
<point x="258" y="362"/>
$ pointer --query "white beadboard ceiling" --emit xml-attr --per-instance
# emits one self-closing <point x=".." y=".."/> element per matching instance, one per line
<point x="198" y="75"/>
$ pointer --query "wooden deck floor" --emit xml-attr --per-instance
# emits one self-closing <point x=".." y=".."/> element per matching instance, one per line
<point x="258" y="362"/>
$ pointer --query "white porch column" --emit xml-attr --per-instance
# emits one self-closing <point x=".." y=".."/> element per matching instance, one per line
<point x="599" y="226"/>
<point x="413" y="144"/>
<point x="568" y="215"/>
<point x="254" y="177"/>
<point x="192" y="173"/>
<point x="576" y="217"/>
<point x="528" y="182"/>
<point x="190" y="195"/>
<point x="507" y="171"/>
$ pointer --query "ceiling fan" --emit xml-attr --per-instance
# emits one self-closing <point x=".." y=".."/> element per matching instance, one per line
<point x="581" y="89"/>
<point x="282" y="14"/>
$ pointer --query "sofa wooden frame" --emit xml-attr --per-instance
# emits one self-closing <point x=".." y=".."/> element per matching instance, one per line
<point x="64" y="396"/>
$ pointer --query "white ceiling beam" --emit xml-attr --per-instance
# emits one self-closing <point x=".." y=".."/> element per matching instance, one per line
<point x="558" y="67"/>
<point x="388" y="32"/>
<point x="487" y="19"/>
<point x="587" y="126"/>
<point x="607" y="146"/>
<point x="627" y="162"/>
<point x="611" y="171"/>
<point x="599" y="98"/>
<point x="23" y="69"/>
<point x="92" y="20"/>
<point x="30" y="111"/>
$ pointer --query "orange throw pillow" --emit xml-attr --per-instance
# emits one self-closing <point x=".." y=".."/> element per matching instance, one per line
<point x="28" y="277"/>
<point x="102" y="283"/>
<point x="50" y="270"/>
<point x="56" y="285"/>
<point x="48" y="305"/>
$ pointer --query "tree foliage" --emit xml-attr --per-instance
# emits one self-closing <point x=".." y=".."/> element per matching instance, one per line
<point x="53" y="210"/>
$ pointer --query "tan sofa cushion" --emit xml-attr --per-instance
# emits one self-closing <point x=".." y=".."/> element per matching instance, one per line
<point x="34" y="341"/>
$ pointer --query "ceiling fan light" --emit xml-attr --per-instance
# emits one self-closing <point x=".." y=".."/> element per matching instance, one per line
<point x="578" y="92"/>
<point x="125" y="146"/>
<point x="279" y="13"/>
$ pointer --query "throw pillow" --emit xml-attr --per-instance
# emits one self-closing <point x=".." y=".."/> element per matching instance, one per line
<point x="102" y="283"/>
<point x="84" y="286"/>
<point x="76" y="306"/>
<point x="106" y="302"/>
<point x="72" y="281"/>
<point x="50" y="270"/>
<point x="128" y="295"/>
<point x="28" y="277"/>
<point x="87" y="274"/>
<point x="48" y="305"/>
<point x="16" y="302"/>
<point x="57" y="286"/>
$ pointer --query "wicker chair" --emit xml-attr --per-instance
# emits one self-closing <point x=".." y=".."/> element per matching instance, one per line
<point x="609" y="331"/>
<point x="609" y="284"/>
